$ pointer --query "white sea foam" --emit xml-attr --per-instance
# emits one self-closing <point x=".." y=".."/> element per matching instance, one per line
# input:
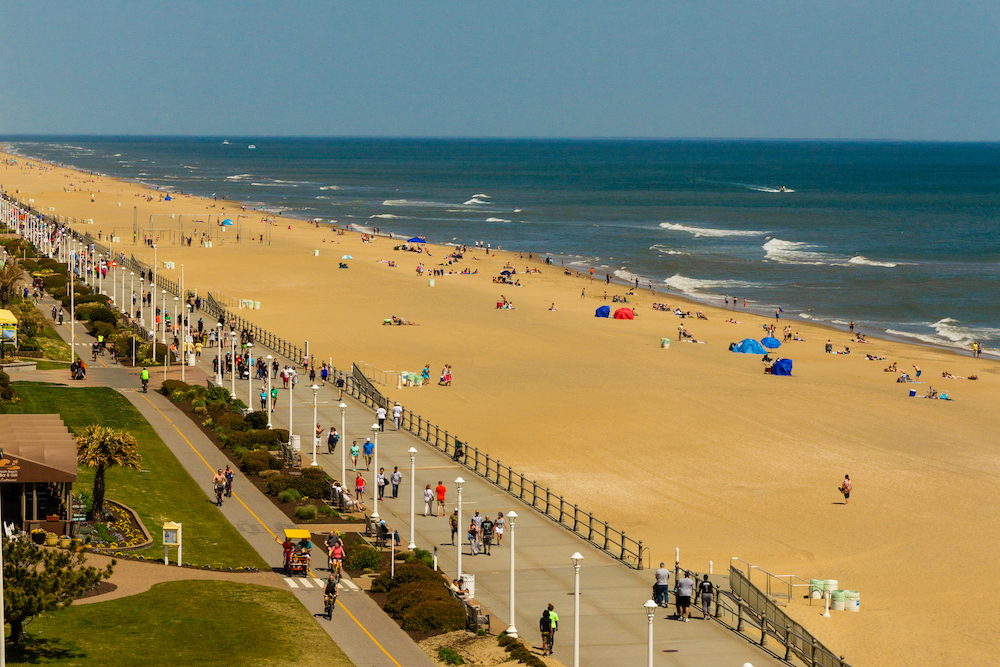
<point x="627" y="276"/>
<point x="666" y="250"/>
<point x="864" y="261"/>
<point x="517" y="210"/>
<point x="474" y="201"/>
<point x="385" y="216"/>
<point x="415" y="203"/>
<point x="953" y="331"/>
<point x="763" y="188"/>
<point x="481" y="195"/>
<point x="496" y="220"/>
<point x="708" y="231"/>
<point x="699" y="285"/>
<point x="329" y="187"/>
<point x="793" y="252"/>
<point x="806" y="316"/>
<point x="272" y="185"/>
<point x="239" y="177"/>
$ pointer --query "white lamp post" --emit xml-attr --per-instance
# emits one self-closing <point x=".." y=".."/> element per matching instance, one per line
<point x="250" y="377"/>
<point x="650" y="611"/>
<point x="218" y="354"/>
<point x="291" y="393"/>
<point x="163" y="317"/>
<point x="131" y="291"/>
<point x="269" y="360"/>
<point x="413" y="477"/>
<point x="343" y="443"/>
<point x="576" y="558"/>
<point x="315" y="389"/>
<point x="72" y="313"/>
<point x="232" y="369"/>
<point x="142" y="294"/>
<point x="511" y="629"/>
<point x="375" y="474"/>
<point x="173" y="322"/>
<point x="459" y="482"/>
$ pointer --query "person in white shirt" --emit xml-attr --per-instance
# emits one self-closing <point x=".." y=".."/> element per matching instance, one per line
<point x="661" y="586"/>
<point x="684" y="590"/>
<point x="397" y="415"/>
<point x="428" y="500"/>
<point x="381" y="418"/>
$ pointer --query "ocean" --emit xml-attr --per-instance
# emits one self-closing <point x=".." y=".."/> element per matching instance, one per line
<point x="902" y="238"/>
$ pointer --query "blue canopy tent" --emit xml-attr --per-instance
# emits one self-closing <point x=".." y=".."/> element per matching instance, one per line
<point x="749" y="346"/>
<point x="416" y="239"/>
<point x="603" y="311"/>
<point x="770" y="343"/>
<point x="167" y="198"/>
<point x="782" y="367"/>
<point x="227" y="222"/>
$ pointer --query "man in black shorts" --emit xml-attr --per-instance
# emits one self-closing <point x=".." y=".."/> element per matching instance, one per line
<point x="685" y="588"/>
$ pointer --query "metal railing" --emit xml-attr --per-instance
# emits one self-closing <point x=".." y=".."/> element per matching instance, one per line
<point x="775" y="585"/>
<point x="540" y="498"/>
<point x="260" y="335"/>
<point x="379" y="376"/>
<point x="747" y="604"/>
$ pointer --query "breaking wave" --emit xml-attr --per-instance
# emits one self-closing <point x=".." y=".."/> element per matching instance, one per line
<point x="708" y="231"/>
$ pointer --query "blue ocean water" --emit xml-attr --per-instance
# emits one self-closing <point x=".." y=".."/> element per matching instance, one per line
<point x="899" y="237"/>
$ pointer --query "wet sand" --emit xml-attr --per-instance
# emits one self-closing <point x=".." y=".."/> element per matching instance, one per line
<point x="691" y="446"/>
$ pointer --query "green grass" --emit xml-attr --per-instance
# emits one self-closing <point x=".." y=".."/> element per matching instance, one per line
<point x="161" y="491"/>
<point x="46" y="365"/>
<point x="190" y="623"/>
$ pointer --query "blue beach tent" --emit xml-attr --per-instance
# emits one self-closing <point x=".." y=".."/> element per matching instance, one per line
<point x="603" y="311"/>
<point x="227" y="222"/>
<point x="417" y="239"/>
<point x="782" y="367"/>
<point x="770" y="342"/>
<point x="749" y="346"/>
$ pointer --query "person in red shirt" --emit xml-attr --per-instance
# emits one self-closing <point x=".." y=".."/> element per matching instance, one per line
<point x="440" y="490"/>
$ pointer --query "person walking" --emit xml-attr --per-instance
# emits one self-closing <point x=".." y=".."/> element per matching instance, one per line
<point x="359" y="487"/>
<point x="380" y="413"/>
<point x="397" y="415"/>
<point x="341" y="383"/>
<point x="707" y="593"/>
<point x="453" y="524"/>
<point x="845" y="488"/>
<point x="545" y="628"/>
<point x="395" y="479"/>
<point x="486" y="534"/>
<point x="685" y="588"/>
<point x="369" y="449"/>
<point x="355" y="451"/>
<point x="554" y="618"/>
<point x="498" y="527"/>
<point x="324" y="373"/>
<point x="473" y="538"/>
<point x="332" y="439"/>
<point x="428" y="500"/>
<point x="440" y="490"/>
<point x="662" y="586"/>
<point x="381" y="482"/>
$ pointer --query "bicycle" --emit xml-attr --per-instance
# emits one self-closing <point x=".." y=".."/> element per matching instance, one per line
<point x="229" y="487"/>
<point x="329" y="603"/>
<point x="145" y="386"/>
<point x="218" y="494"/>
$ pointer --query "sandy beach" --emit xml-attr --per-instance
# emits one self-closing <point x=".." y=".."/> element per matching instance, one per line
<point x="691" y="447"/>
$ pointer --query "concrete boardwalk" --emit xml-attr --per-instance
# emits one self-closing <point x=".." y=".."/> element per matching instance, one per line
<point x="613" y="622"/>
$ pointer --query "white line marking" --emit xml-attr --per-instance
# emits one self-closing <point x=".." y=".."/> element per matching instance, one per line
<point x="291" y="582"/>
<point x="306" y="584"/>
<point x="350" y="584"/>
<point x="319" y="582"/>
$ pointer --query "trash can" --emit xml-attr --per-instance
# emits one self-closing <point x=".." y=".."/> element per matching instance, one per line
<point x="191" y="359"/>
<point x="469" y="584"/>
<point x="295" y="442"/>
<point x="665" y="343"/>
<point x="430" y="282"/>
<point x="315" y="253"/>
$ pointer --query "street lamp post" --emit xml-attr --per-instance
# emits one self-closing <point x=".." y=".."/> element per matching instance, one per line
<point x="576" y="558"/>
<point x="650" y="611"/>
<point x="163" y="317"/>
<point x="413" y="480"/>
<point x="142" y="300"/>
<point x="218" y="355"/>
<point x="291" y="393"/>
<point x="232" y="369"/>
<point x="315" y="389"/>
<point x="459" y="482"/>
<point x="343" y="443"/>
<point x="511" y="629"/>
<point x="269" y="360"/>
<point x="375" y="474"/>
<point x="250" y="377"/>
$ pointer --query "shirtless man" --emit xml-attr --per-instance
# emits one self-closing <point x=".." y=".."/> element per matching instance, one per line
<point x="219" y="484"/>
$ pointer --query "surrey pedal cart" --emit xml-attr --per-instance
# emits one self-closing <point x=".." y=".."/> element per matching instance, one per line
<point x="297" y="556"/>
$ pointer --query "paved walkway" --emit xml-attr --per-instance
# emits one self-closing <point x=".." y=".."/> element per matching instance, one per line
<point x="613" y="623"/>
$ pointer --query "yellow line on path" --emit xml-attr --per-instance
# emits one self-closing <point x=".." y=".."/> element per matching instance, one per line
<point x="370" y="636"/>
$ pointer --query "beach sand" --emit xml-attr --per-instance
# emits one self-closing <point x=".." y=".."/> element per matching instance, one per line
<point x="691" y="446"/>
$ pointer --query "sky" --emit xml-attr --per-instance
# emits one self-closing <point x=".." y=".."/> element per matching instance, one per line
<point x="841" y="69"/>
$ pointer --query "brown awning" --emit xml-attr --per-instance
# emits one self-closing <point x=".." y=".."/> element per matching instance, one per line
<point x="36" y="448"/>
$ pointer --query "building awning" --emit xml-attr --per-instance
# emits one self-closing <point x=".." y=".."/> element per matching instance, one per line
<point x="36" y="448"/>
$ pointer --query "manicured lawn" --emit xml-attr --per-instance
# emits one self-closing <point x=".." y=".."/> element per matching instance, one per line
<point x="190" y="623"/>
<point x="161" y="491"/>
<point x="46" y="365"/>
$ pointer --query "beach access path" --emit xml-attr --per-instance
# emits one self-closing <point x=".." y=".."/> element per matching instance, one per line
<point x="613" y="622"/>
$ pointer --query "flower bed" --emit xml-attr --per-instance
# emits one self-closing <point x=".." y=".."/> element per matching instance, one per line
<point x="121" y="529"/>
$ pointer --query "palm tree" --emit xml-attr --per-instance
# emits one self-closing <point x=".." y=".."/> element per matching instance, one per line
<point x="101" y="448"/>
<point x="10" y="275"/>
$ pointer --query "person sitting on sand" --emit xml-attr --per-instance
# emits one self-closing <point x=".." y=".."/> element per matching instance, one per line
<point x="553" y="307"/>
<point x="932" y="393"/>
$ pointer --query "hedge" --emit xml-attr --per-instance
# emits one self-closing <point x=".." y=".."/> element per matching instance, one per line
<point x="362" y="557"/>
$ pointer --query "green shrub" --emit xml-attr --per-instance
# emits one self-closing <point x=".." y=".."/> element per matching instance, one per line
<point x="240" y="451"/>
<point x="360" y="556"/>
<point x="170" y="386"/>
<point x="282" y="434"/>
<point x="328" y="511"/>
<point x="219" y="394"/>
<point x="403" y="598"/>
<point x="231" y="422"/>
<point x="257" y="420"/>
<point x="276" y="485"/>
<point x="312" y="483"/>
<point x="254" y="461"/>
<point x="55" y="281"/>
<point x="102" y="329"/>
<point x="289" y="495"/>
<point x="4" y="379"/>
<point x="94" y="298"/>
<point x="198" y="403"/>
<point x="236" y="439"/>
<point x="305" y="512"/>
<point x="413" y="571"/>
<point x="445" y="614"/>
<point x="448" y="656"/>
<point x="422" y="556"/>
<point x="103" y="314"/>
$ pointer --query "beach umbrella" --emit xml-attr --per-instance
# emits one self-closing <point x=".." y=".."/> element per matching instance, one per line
<point x="416" y="239"/>
<point x="782" y="367"/>
<point x="347" y="257"/>
<point x="227" y="222"/>
<point x="505" y="273"/>
<point x="749" y="346"/>
<point x="770" y="343"/>
<point x="603" y="311"/>
<point x="624" y="314"/>
<point x="167" y="198"/>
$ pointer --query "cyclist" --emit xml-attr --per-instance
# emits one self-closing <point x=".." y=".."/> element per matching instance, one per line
<point x="145" y="379"/>
<point x="228" y="474"/>
<point x="219" y="481"/>
<point x="336" y="558"/>
<point x="330" y="595"/>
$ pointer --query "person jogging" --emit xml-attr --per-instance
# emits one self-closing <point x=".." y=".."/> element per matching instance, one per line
<point x="144" y="376"/>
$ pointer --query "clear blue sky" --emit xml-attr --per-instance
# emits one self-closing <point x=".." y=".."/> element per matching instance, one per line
<point x="847" y="69"/>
